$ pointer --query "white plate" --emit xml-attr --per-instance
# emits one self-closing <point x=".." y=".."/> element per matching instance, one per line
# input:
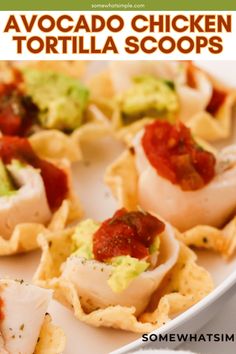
<point x="99" y="204"/>
<point x="162" y="351"/>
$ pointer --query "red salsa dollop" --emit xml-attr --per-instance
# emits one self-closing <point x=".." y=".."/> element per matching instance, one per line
<point x="1" y="309"/>
<point x="217" y="99"/>
<point x="126" y="233"/>
<point x="55" y="179"/>
<point x="218" y="95"/>
<point x="190" y="75"/>
<point x="17" y="111"/>
<point x="175" y="155"/>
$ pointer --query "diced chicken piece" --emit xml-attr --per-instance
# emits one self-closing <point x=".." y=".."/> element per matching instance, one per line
<point x="24" y="308"/>
<point x="28" y="204"/>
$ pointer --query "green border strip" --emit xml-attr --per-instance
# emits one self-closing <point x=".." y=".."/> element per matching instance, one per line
<point x="118" y="5"/>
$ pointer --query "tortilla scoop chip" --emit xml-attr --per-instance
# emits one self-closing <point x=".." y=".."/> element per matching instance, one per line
<point x="23" y="239"/>
<point x="100" y="86"/>
<point x="52" y="339"/>
<point x="209" y="127"/>
<point x="93" y="129"/>
<point x="102" y="95"/>
<point x="185" y="284"/>
<point x="207" y="237"/>
<point x="24" y="236"/>
<point x="127" y="133"/>
<point x="122" y="178"/>
<point x="55" y="145"/>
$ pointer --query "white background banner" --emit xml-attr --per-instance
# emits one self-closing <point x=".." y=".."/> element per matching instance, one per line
<point x="147" y="35"/>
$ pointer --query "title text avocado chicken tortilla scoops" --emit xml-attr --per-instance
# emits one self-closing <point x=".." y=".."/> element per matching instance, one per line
<point x="97" y="34"/>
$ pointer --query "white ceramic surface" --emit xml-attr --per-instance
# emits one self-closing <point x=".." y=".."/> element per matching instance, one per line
<point x="98" y="204"/>
<point x="162" y="351"/>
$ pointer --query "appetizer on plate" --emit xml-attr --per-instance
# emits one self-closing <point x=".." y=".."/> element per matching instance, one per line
<point x="49" y="106"/>
<point x="20" y="332"/>
<point x="171" y="175"/>
<point x="145" y="91"/>
<point x="35" y="194"/>
<point x="128" y="272"/>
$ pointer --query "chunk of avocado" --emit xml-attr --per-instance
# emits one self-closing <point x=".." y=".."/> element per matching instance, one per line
<point x="83" y="238"/>
<point x="149" y="97"/>
<point x="61" y="99"/>
<point x="126" y="269"/>
<point x="6" y="184"/>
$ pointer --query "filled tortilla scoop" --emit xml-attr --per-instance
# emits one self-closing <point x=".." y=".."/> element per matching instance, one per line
<point x="129" y="272"/>
<point x="23" y="309"/>
<point x="35" y="195"/>
<point x="212" y="204"/>
<point x="91" y="278"/>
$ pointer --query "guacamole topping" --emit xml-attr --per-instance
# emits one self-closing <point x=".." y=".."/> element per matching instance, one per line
<point x="6" y="184"/>
<point x="83" y="238"/>
<point x="61" y="99"/>
<point x="126" y="269"/>
<point x="149" y="97"/>
<point x="122" y="240"/>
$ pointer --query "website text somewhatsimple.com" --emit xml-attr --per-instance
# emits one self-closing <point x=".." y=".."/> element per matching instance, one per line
<point x="116" y="6"/>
